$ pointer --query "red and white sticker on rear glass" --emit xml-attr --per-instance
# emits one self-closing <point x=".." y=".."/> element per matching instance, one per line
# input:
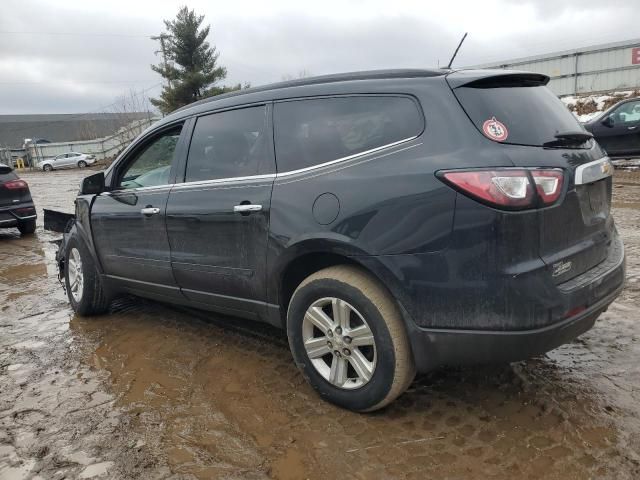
<point x="495" y="130"/>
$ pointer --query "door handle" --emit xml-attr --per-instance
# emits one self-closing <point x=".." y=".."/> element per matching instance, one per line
<point x="148" y="211"/>
<point x="633" y="128"/>
<point x="248" y="208"/>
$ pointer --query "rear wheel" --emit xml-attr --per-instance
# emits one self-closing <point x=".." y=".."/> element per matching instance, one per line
<point x="82" y="164"/>
<point x="82" y="281"/>
<point x="47" y="168"/>
<point x="348" y="339"/>
<point x="27" y="227"/>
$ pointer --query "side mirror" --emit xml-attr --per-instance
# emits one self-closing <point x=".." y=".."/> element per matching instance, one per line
<point x="93" y="184"/>
<point x="609" y="121"/>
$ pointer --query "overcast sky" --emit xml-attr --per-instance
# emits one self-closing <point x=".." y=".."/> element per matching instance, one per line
<point x="72" y="56"/>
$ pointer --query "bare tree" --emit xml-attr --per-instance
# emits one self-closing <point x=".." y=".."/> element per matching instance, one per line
<point x="304" y="73"/>
<point x="133" y="114"/>
<point x="87" y="129"/>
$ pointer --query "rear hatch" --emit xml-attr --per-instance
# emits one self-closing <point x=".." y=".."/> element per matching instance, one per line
<point x="535" y="129"/>
<point x="13" y="191"/>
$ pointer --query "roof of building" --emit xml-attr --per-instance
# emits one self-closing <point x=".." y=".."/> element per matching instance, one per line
<point x="603" y="47"/>
<point x="62" y="127"/>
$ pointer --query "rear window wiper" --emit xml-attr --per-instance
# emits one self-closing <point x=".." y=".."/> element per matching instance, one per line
<point x="569" y="138"/>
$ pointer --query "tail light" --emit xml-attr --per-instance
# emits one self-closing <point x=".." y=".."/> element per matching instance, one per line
<point x="548" y="184"/>
<point x="16" y="185"/>
<point x="508" y="188"/>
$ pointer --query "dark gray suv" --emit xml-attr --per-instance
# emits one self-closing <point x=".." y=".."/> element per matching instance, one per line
<point x="389" y="221"/>
<point x="16" y="205"/>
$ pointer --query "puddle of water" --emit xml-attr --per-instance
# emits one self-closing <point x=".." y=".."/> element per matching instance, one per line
<point x="96" y="469"/>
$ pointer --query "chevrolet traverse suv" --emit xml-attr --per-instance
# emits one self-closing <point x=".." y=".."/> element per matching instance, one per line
<point x="390" y="221"/>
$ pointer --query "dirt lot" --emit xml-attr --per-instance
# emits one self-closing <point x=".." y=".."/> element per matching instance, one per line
<point x="149" y="391"/>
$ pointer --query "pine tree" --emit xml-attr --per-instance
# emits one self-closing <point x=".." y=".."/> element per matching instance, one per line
<point x="190" y="64"/>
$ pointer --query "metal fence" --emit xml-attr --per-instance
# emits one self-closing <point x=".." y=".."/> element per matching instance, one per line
<point x="5" y="156"/>
<point x="103" y="148"/>
<point x="600" y="68"/>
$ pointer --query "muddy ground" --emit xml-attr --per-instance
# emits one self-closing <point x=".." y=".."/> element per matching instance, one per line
<point x="149" y="391"/>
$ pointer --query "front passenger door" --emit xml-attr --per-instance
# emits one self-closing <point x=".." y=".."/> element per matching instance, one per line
<point x="620" y="133"/>
<point x="59" y="161"/>
<point x="128" y="221"/>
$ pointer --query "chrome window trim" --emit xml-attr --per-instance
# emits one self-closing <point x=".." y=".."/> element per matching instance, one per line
<point x="344" y="159"/>
<point x="606" y="170"/>
<point x="339" y="167"/>
<point x="272" y="176"/>
<point x="268" y="176"/>
<point x="222" y="181"/>
<point x="159" y="189"/>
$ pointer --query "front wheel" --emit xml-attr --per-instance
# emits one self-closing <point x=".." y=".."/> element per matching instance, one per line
<point x="82" y="164"/>
<point x="82" y="281"/>
<point x="47" y="168"/>
<point x="347" y="337"/>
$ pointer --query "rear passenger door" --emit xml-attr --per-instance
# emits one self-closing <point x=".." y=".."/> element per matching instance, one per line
<point x="218" y="219"/>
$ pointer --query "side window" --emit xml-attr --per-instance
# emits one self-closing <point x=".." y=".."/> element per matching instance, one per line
<point x="628" y="112"/>
<point x="150" y="166"/>
<point x="314" y="131"/>
<point x="228" y="144"/>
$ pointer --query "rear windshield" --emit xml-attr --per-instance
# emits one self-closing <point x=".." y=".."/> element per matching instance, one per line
<point x="6" y="174"/>
<point x="522" y="115"/>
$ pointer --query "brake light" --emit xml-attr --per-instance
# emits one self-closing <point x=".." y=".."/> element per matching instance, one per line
<point x="548" y="184"/>
<point x="16" y="185"/>
<point x="508" y="188"/>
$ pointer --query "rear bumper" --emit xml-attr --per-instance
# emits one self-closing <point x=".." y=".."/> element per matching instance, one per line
<point x="453" y="321"/>
<point x="434" y="348"/>
<point x="593" y="295"/>
<point x="11" y="216"/>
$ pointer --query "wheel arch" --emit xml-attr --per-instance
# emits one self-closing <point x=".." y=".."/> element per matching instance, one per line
<point x="309" y="257"/>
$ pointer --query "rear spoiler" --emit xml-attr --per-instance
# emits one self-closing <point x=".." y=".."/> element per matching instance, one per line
<point x="495" y="79"/>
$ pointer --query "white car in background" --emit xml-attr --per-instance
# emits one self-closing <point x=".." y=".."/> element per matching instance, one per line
<point x="67" y="160"/>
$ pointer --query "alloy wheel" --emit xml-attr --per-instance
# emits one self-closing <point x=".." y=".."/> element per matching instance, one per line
<point x="76" y="276"/>
<point x="339" y="343"/>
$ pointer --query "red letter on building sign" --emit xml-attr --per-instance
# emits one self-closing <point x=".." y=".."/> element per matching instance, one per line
<point x="635" y="56"/>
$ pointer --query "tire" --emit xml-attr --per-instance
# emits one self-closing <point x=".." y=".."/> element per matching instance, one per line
<point x="27" y="227"/>
<point x="92" y="299"/>
<point x="391" y="368"/>
<point x="47" y="168"/>
<point x="82" y="164"/>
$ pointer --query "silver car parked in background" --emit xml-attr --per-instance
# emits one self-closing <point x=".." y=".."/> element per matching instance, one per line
<point x="67" y="160"/>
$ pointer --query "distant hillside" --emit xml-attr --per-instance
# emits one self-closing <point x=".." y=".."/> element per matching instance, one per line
<point x="62" y="127"/>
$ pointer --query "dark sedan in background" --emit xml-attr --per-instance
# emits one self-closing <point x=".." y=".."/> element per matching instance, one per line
<point x="617" y="130"/>
<point x="16" y="205"/>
